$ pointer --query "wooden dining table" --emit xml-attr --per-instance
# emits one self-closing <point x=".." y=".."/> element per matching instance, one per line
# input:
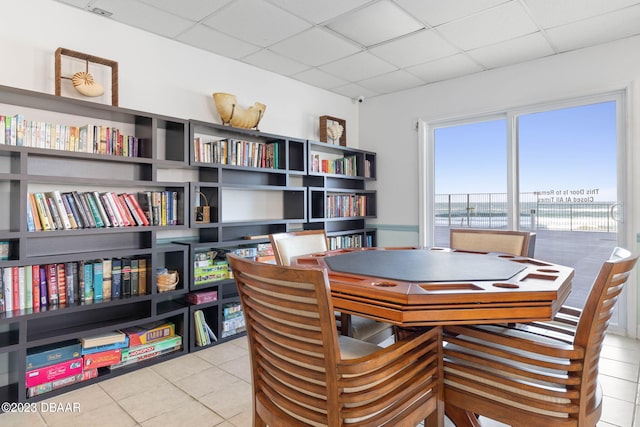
<point x="425" y="287"/>
<point x="414" y="288"/>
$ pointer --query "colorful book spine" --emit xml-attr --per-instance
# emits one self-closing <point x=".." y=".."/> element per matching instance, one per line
<point x="137" y="351"/>
<point x="44" y="289"/>
<point x="101" y="358"/>
<point x="88" y="281"/>
<point x="97" y="280"/>
<point x="116" y="278"/>
<point x="61" y="277"/>
<point x="51" y="276"/>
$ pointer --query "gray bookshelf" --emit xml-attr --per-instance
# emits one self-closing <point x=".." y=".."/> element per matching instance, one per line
<point x="344" y="177"/>
<point x="161" y="144"/>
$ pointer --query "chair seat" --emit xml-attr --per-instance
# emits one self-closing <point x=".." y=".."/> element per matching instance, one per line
<point x="370" y="330"/>
<point x="351" y="348"/>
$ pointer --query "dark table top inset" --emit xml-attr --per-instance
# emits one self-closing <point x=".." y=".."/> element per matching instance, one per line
<point x="424" y="265"/>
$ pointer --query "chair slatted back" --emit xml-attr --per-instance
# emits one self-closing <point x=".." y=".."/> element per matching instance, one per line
<point x="597" y="313"/>
<point x="287" y="246"/>
<point x="519" y="243"/>
<point x="301" y="373"/>
<point x="293" y="339"/>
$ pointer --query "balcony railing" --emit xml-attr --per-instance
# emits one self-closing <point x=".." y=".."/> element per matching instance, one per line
<point x="489" y="210"/>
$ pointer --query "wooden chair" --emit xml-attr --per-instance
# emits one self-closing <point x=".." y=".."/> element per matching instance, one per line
<point x="538" y="374"/>
<point x="286" y="246"/>
<point x="305" y="374"/>
<point x="521" y="243"/>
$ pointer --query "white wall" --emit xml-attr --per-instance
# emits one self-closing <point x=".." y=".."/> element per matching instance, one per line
<point x="156" y="74"/>
<point x="387" y="123"/>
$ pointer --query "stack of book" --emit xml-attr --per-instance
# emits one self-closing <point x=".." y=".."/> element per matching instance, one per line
<point x="38" y="286"/>
<point x="55" y="210"/>
<point x="232" y="319"/>
<point x="237" y="152"/>
<point x="204" y="333"/>
<point x="342" y="166"/>
<point x="207" y="268"/>
<point x="103" y="350"/>
<point x="149" y="341"/>
<point x="18" y="131"/>
<point x="55" y="366"/>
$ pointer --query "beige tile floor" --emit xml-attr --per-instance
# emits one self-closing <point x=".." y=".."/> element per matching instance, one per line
<point x="212" y="388"/>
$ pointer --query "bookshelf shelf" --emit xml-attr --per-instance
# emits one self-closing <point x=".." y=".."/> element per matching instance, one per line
<point x="338" y="200"/>
<point x="35" y="163"/>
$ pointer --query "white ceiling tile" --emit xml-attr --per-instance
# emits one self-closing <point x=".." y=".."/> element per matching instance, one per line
<point x="597" y="30"/>
<point x="512" y="51"/>
<point x="354" y="91"/>
<point x="319" y="78"/>
<point x="314" y="47"/>
<point x="273" y="62"/>
<point x="318" y="11"/>
<point x="143" y="16"/>
<point x="194" y="10"/>
<point x="391" y="82"/>
<point x="495" y="25"/>
<point x="256" y="22"/>
<point x="206" y="38"/>
<point x="551" y="13"/>
<point x="436" y="12"/>
<point x="375" y="24"/>
<point x="445" y="68"/>
<point x="414" y="49"/>
<point x="360" y="66"/>
<point x="84" y="4"/>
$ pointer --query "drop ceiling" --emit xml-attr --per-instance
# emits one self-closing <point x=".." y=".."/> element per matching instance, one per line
<point x="368" y="48"/>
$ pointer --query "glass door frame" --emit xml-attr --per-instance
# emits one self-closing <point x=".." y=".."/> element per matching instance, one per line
<point x="625" y="186"/>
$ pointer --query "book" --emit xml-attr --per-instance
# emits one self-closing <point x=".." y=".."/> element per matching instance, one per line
<point x="127" y="217"/>
<point x="74" y="217"/>
<point x="103" y="339"/>
<point x="149" y="332"/>
<point x="106" y="278"/>
<point x="31" y="225"/>
<point x="51" y="205"/>
<point x="53" y="353"/>
<point x="28" y="287"/>
<point x="44" y="288"/>
<point x="61" y="278"/>
<point x="62" y="211"/>
<point x="145" y="356"/>
<point x="134" y="277"/>
<point x="111" y="209"/>
<point x="202" y="337"/>
<point x="95" y="196"/>
<point x="53" y="372"/>
<point x="83" y="210"/>
<point x="51" y="276"/>
<point x="137" y="351"/>
<point x="35" y="286"/>
<point x="21" y="288"/>
<point x="62" y="382"/>
<point x="34" y="211"/>
<point x="101" y="359"/>
<point x="126" y="277"/>
<point x="71" y="269"/>
<point x="43" y="211"/>
<point x="116" y="278"/>
<point x="88" y="281"/>
<point x="7" y="279"/>
<point x="105" y="347"/>
<point x="142" y="276"/>
<point x="136" y="209"/>
<point x="93" y="208"/>
<point x="97" y="280"/>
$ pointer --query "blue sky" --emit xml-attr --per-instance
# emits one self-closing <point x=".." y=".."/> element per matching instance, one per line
<point x="571" y="149"/>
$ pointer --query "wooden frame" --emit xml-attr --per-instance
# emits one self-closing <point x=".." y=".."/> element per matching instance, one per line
<point x="323" y="129"/>
<point x="88" y="58"/>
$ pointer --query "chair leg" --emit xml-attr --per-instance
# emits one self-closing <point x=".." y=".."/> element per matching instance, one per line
<point x="461" y="418"/>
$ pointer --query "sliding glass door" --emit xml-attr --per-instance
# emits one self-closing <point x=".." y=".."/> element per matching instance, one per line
<point x="553" y="170"/>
